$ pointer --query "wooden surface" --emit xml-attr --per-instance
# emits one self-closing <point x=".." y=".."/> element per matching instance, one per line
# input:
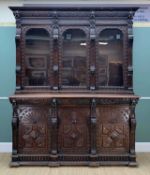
<point x="73" y="95"/>
<point x="142" y="169"/>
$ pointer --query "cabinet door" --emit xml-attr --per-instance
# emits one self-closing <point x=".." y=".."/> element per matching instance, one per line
<point x="34" y="130"/>
<point x="113" y="129"/>
<point x="74" y="59"/>
<point x="37" y="57"/>
<point x="73" y="134"/>
<point x="110" y="58"/>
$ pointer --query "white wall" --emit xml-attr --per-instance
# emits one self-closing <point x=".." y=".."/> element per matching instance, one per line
<point x="6" y="16"/>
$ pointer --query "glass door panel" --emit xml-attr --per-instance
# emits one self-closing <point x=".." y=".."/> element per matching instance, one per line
<point x="37" y="48"/>
<point x="110" y="58"/>
<point x="74" y="59"/>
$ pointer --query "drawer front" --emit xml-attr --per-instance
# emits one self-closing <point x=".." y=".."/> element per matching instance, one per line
<point x="73" y="132"/>
<point x="113" y="129"/>
<point x="34" y="129"/>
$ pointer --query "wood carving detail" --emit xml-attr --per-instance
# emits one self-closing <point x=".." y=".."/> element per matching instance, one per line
<point x="113" y="131"/>
<point x="73" y="131"/>
<point x="113" y="135"/>
<point x="33" y="128"/>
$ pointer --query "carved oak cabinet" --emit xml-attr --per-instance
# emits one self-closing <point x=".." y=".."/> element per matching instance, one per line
<point x="74" y="103"/>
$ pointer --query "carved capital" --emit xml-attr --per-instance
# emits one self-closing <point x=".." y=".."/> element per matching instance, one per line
<point x="14" y="122"/>
<point x="92" y="26"/>
<point x="16" y="14"/>
<point x="18" y="33"/>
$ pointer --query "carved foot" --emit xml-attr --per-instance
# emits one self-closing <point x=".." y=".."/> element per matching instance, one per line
<point x="94" y="164"/>
<point x="133" y="164"/>
<point x="53" y="164"/>
<point x="14" y="164"/>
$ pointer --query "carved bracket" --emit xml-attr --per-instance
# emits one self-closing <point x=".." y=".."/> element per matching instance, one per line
<point x="132" y="129"/>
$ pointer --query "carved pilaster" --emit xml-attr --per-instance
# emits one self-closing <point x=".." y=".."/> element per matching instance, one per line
<point x="92" y="51"/>
<point x="93" y="120"/>
<point x="129" y="51"/>
<point x="132" y="121"/>
<point x="54" y="126"/>
<point x="15" y="123"/>
<point x="18" y="51"/>
<point x="55" y="52"/>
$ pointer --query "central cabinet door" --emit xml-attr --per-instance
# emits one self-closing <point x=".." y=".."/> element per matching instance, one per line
<point x="74" y="62"/>
<point x="73" y="134"/>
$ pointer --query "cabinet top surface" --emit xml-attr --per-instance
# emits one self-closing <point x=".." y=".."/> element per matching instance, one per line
<point x="79" y="6"/>
<point x="74" y="95"/>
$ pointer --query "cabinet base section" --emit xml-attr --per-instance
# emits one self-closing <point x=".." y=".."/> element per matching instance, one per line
<point x="72" y="160"/>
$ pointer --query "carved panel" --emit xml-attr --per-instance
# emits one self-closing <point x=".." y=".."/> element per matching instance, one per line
<point x="112" y="135"/>
<point x="113" y="128"/>
<point x="73" y="130"/>
<point x="33" y="129"/>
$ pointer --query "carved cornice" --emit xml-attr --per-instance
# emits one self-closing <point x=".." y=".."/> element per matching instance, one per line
<point x="49" y="13"/>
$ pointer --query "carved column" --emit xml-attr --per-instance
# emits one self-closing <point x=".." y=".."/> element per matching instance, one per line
<point x="55" y="53"/>
<point x="18" y="51"/>
<point x="93" y="120"/>
<point x="132" y="157"/>
<point x="129" y="51"/>
<point x="15" y="123"/>
<point x="54" y="135"/>
<point x="92" y="51"/>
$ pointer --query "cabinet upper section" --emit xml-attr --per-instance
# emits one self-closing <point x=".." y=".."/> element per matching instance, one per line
<point x="79" y="48"/>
